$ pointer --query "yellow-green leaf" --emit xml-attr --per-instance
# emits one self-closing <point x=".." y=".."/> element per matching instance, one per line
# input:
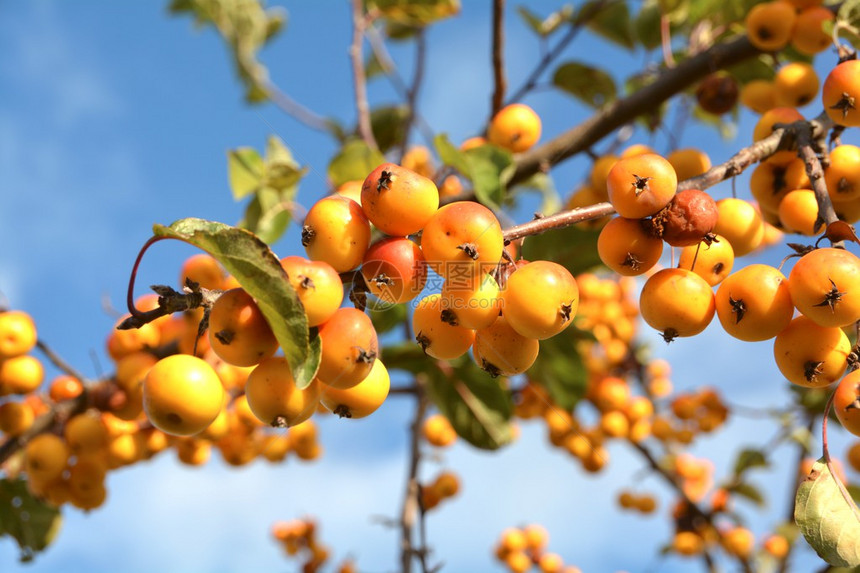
<point x="354" y="161"/>
<point x="593" y="86"/>
<point x="258" y="270"/>
<point x="245" y="169"/>
<point x="828" y="521"/>
<point x="31" y="522"/>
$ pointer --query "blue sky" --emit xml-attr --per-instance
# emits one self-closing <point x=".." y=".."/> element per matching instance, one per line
<point x="114" y="116"/>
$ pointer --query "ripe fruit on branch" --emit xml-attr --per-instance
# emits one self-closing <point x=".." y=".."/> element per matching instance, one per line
<point x="689" y="162"/>
<point x="238" y="331"/>
<point x="809" y="36"/>
<point x="754" y="303"/>
<point x="640" y="186"/>
<point x="202" y="269"/>
<point x="687" y="219"/>
<point x="17" y="333"/>
<point x="397" y="200"/>
<point x="438" y="431"/>
<point x="349" y="348"/>
<point x="840" y="92"/>
<point x="825" y="286"/>
<point x="811" y="355"/>
<point x="362" y="399"/>
<point x="516" y="127"/>
<point x="846" y="402"/>
<point x="438" y="332"/>
<point x="336" y="231"/>
<point x="770" y="25"/>
<point x="474" y="303"/>
<point x="540" y="299"/>
<point x="394" y="270"/>
<point x="502" y="351"/>
<point x="712" y="260"/>
<point x="462" y="240"/>
<point x="182" y="395"/>
<point x="627" y="248"/>
<point x="677" y="302"/>
<point x="842" y="174"/>
<point x="274" y="398"/>
<point x="798" y="212"/>
<point x="318" y="286"/>
<point x="796" y="84"/>
<point x="770" y="182"/>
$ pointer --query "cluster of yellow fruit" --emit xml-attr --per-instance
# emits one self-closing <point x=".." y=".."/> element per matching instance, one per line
<point x="445" y="486"/>
<point x="20" y="372"/>
<point x="771" y="26"/>
<point x="522" y="548"/>
<point x="299" y="539"/>
<point x="643" y="503"/>
<point x="438" y="431"/>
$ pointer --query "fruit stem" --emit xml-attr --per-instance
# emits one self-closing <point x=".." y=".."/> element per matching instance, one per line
<point x="130" y="294"/>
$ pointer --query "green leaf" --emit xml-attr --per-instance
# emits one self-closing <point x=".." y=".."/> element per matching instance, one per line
<point x="354" y="162"/>
<point x="274" y="214"/>
<point x="31" y="522"/>
<point x="477" y="406"/>
<point x="560" y="369"/>
<point x="282" y="170"/>
<point x="612" y="22"/>
<point x="489" y="169"/>
<point x="849" y="12"/>
<point x="592" y="86"/>
<point x="748" y="491"/>
<point x="258" y="270"/>
<point x="407" y="356"/>
<point x="573" y="248"/>
<point x="647" y="24"/>
<point x="389" y="125"/>
<point x="416" y="13"/>
<point x="532" y="20"/>
<point x="759" y="68"/>
<point x="829" y="523"/>
<point x="386" y="319"/>
<point x="373" y="67"/>
<point x="449" y="154"/>
<point x="546" y="26"/>
<point x="749" y="459"/>
<point x="245" y="170"/>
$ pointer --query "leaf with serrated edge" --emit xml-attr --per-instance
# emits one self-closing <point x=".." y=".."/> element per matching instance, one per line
<point x="259" y="272"/>
<point x="829" y="523"/>
<point x="42" y="521"/>
<point x="245" y="169"/>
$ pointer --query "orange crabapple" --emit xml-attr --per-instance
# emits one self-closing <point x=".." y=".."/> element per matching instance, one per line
<point x="204" y="270"/>
<point x="362" y="399"/>
<point x="438" y="332"/>
<point x="473" y="303"/>
<point x="768" y="122"/>
<point x="796" y="84"/>
<point x="825" y="286"/>
<point x="798" y="212"/>
<point x="349" y="348"/>
<point x="754" y="303"/>
<point x="811" y="355"/>
<point x="317" y="285"/>
<point x="809" y="36"/>
<point x="515" y="127"/>
<point x="641" y="185"/>
<point x="599" y="175"/>
<point x="677" y="302"/>
<point x="238" y="332"/>
<point x="712" y="260"/>
<point x="397" y="200"/>
<point x="20" y="375"/>
<point x="846" y="402"/>
<point x="770" y="182"/>
<point x="842" y="175"/>
<point x="336" y="231"/>
<point x="627" y="248"/>
<point x="688" y="218"/>
<point x="17" y="333"/>
<point x="840" y="92"/>
<point x="769" y="25"/>
<point x="438" y="431"/>
<point x="274" y="397"/>
<point x="394" y="270"/>
<point x="502" y="351"/>
<point x="15" y="418"/>
<point x="759" y="95"/>
<point x="540" y="299"/>
<point x="689" y="162"/>
<point x="182" y="395"/>
<point x="462" y="239"/>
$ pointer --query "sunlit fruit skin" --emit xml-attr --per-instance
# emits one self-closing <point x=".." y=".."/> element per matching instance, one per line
<point x="640" y="186"/>
<point x="238" y="332"/>
<point x="351" y="190"/>
<point x="599" y="174"/>
<point x="123" y="342"/>
<point x="754" y="303"/>
<point x="462" y="240"/>
<point x="349" y="348"/>
<point x="182" y="395"/>
<point x="274" y="397"/>
<point x="45" y="457"/>
<point x="769" y="25"/>
<point x="397" y="200"/>
<point x="540" y="299"/>
<point x="808" y="36"/>
<point x="811" y="355"/>
<point x="362" y="399"/>
<point x="677" y="302"/>
<point x="846" y="402"/>
<point x="770" y="182"/>
<point x="318" y="286"/>
<point x="759" y="95"/>
<point x="842" y="175"/>
<point x="202" y="269"/>
<point x="796" y="84"/>
<point x="689" y="162"/>
<point x="439" y="334"/>
<point x="768" y="122"/>
<point x="515" y="127"/>
<point x="336" y="231"/>
<point x="502" y="351"/>
<point x="15" y="418"/>
<point x="825" y="286"/>
<point x="713" y="260"/>
<point x="475" y="305"/>
<point x="438" y="431"/>
<point x="394" y="270"/>
<point x="840" y="93"/>
<point x="687" y="219"/>
<point x="739" y="542"/>
<point x="21" y="375"/>
<point x="798" y="212"/>
<point x="741" y="225"/>
<point x="627" y="248"/>
<point x="17" y="333"/>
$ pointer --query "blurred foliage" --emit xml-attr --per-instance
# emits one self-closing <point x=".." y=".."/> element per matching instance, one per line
<point x="30" y="521"/>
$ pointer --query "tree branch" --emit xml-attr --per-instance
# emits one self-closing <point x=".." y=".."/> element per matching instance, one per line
<point x="412" y="92"/>
<point x="498" y="57"/>
<point x="625" y="110"/>
<point x="411" y="501"/>
<point x="294" y="109"/>
<point x="358" y="78"/>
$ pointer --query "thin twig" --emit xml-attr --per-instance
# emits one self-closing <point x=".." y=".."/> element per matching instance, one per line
<point x="294" y="109"/>
<point x="365" y="129"/>
<point x="411" y="502"/>
<point x="808" y="137"/>
<point x="499" y="81"/>
<point x="412" y="93"/>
